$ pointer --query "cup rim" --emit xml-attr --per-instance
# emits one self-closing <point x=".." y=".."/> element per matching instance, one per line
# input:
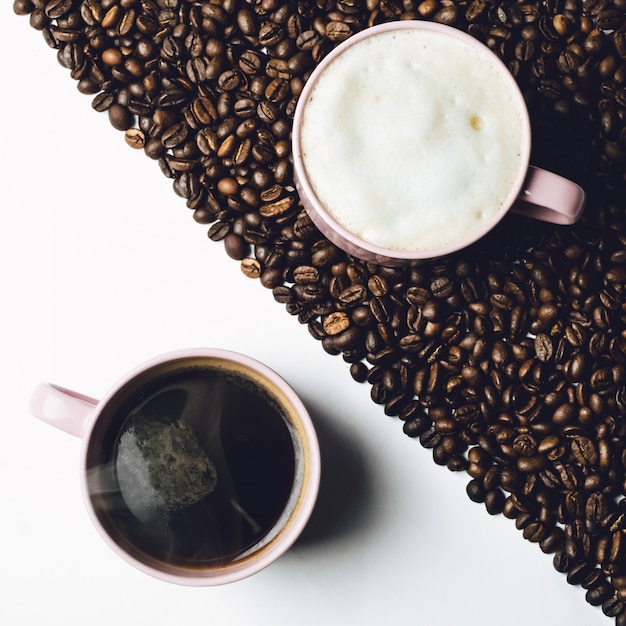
<point x="337" y="233"/>
<point x="249" y="563"/>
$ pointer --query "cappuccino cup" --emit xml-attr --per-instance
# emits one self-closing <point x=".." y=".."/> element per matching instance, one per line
<point x="411" y="140"/>
<point x="200" y="467"/>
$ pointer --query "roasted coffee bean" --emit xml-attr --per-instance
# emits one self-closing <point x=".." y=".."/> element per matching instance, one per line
<point x="578" y="572"/>
<point x="525" y="445"/>
<point x="535" y="532"/>
<point x="135" y="138"/>
<point x="531" y="464"/>
<point x="353" y="295"/>
<point x="219" y="230"/>
<point x="322" y="255"/>
<point x="358" y="371"/>
<point x="416" y="426"/>
<point x="476" y="491"/>
<point x="270" y="34"/>
<point x="441" y="287"/>
<point x="305" y="274"/>
<point x="379" y="393"/>
<point x="601" y="379"/>
<point x="561" y="562"/>
<point x="394" y="406"/>
<point x="596" y="508"/>
<point x="543" y="347"/>
<point x="236" y="246"/>
<point x="336" y="323"/>
<point x="583" y="450"/>
<point x="553" y="542"/>
<point x="175" y="135"/>
<point x="120" y="117"/>
<point x="494" y="501"/>
<point x="278" y="207"/>
<point x="613" y="606"/>
<point x="251" y="267"/>
<point x="186" y="184"/>
<point x="593" y="579"/>
<point x="599" y="594"/>
<point x="417" y="296"/>
<point x="58" y="8"/>
<point x="337" y="31"/>
<point x="71" y="56"/>
<point x="282" y="294"/>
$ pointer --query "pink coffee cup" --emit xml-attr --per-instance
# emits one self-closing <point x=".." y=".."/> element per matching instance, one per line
<point x="200" y="467"/>
<point x="411" y="140"/>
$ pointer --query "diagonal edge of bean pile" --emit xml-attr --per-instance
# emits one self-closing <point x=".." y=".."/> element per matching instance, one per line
<point x="505" y="359"/>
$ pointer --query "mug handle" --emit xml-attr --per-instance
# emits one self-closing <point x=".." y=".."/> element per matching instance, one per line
<point x="549" y="197"/>
<point x="62" y="408"/>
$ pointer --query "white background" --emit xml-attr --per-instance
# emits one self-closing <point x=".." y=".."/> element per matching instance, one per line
<point x="103" y="267"/>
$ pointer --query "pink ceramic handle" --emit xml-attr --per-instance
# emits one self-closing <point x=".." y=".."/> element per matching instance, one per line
<point x="550" y="198"/>
<point x="62" y="408"/>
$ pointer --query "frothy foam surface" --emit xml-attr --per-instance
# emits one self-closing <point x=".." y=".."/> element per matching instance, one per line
<point x="412" y="140"/>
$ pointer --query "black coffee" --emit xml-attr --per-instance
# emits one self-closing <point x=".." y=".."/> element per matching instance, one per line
<point x="196" y="467"/>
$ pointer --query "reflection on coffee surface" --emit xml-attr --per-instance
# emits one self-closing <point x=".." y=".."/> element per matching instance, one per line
<point x="197" y="467"/>
<point x="412" y="139"/>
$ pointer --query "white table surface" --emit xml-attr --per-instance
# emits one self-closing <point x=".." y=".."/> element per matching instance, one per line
<point x="103" y="267"/>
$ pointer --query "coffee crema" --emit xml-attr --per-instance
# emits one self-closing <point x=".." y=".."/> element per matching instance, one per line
<point x="413" y="140"/>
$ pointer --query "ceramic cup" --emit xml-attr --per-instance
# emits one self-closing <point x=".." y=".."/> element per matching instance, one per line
<point x="411" y="140"/>
<point x="200" y="467"/>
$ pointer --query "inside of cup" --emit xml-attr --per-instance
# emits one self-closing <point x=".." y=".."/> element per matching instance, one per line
<point x="318" y="195"/>
<point x="196" y="469"/>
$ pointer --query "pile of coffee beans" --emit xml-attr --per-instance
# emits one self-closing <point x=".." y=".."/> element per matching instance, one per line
<point x="507" y="360"/>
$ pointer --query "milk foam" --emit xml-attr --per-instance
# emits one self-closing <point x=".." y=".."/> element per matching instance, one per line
<point x="412" y="140"/>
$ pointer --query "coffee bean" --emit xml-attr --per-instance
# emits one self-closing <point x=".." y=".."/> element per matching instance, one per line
<point x="282" y="294"/>
<point x="612" y="606"/>
<point x="543" y="347"/>
<point x="120" y="117"/>
<point x="270" y="34"/>
<point x="236" y="247"/>
<point x="475" y="491"/>
<point x="251" y="267"/>
<point x="416" y="426"/>
<point x="358" y="371"/>
<point x="531" y="464"/>
<point x="561" y="562"/>
<point x="352" y="295"/>
<point x="306" y="274"/>
<point x="596" y="508"/>
<point x="599" y="594"/>
<point x="135" y="138"/>
<point x="583" y="450"/>
<point x="441" y="287"/>
<point x="553" y="542"/>
<point x="277" y="208"/>
<point x="578" y="573"/>
<point x="394" y="406"/>
<point x="535" y="532"/>
<point x="175" y="135"/>
<point x="57" y="8"/>
<point x="337" y="31"/>
<point x="336" y="323"/>
<point x="601" y="379"/>
<point x="494" y="501"/>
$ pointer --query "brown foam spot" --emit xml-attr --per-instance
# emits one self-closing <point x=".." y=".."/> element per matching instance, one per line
<point x="476" y="122"/>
